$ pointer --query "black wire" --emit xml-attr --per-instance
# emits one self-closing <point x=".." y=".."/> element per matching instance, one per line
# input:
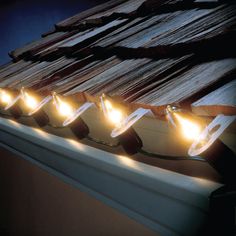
<point x="55" y="126"/>
<point x="173" y="158"/>
<point x="6" y="115"/>
<point x="144" y="152"/>
<point x="10" y="116"/>
<point x="102" y="142"/>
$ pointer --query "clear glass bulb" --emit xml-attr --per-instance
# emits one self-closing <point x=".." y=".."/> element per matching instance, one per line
<point x="64" y="108"/>
<point x="114" y="115"/>
<point x="30" y="101"/>
<point x="6" y="98"/>
<point x="189" y="129"/>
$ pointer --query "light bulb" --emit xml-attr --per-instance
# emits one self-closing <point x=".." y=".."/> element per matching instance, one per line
<point x="34" y="106"/>
<point x="5" y="97"/>
<point x="8" y="98"/>
<point x="128" y="139"/>
<point x="189" y="129"/>
<point x="114" y="115"/>
<point x="78" y="127"/>
<point x="30" y="101"/>
<point x="63" y="108"/>
<point x="108" y="105"/>
<point x="76" y="114"/>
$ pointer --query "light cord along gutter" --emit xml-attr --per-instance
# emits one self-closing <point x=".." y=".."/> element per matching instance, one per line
<point x="205" y="143"/>
<point x="73" y="121"/>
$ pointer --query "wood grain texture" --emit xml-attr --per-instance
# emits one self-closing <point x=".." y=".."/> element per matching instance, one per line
<point x="87" y="13"/>
<point x="220" y="101"/>
<point x="146" y="53"/>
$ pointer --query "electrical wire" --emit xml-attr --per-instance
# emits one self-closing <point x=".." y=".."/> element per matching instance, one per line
<point x="141" y="151"/>
<point x="102" y="142"/>
<point x="10" y="116"/>
<point x="173" y="158"/>
<point x="55" y="126"/>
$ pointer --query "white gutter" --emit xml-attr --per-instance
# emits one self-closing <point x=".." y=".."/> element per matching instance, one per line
<point x="166" y="202"/>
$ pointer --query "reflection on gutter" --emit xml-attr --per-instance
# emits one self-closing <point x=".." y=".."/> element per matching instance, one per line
<point x="75" y="144"/>
<point x="128" y="162"/>
<point x="41" y="133"/>
<point x="14" y="123"/>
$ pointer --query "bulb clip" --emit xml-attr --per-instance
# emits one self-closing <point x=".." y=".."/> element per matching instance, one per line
<point x="78" y="113"/>
<point x="210" y="134"/>
<point x="40" y="105"/>
<point x="129" y="121"/>
<point x="13" y="102"/>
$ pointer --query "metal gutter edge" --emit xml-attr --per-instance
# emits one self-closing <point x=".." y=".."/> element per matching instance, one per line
<point x="166" y="202"/>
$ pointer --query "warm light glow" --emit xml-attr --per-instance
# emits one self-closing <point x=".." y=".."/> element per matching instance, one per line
<point x="75" y="144"/>
<point x="63" y="108"/>
<point x="30" y="101"/>
<point x="108" y="105"/>
<point x="128" y="162"/>
<point x="14" y="123"/>
<point x="77" y="113"/>
<point x="5" y="97"/>
<point x="40" y="132"/>
<point x="115" y="116"/>
<point x="190" y="130"/>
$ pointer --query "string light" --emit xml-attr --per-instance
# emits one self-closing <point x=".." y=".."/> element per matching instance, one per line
<point x="77" y="113"/>
<point x="8" y="100"/>
<point x="129" y="139"/>
<point x="190" y="129"/>
<point x="34" y="105"/>
<point x="214" y="151"/>
<point x="129" y="121"/>
<point x="30" y="101"/>
<point x="63" y="108"/>
<point x="113" y="115"/>
<point x="5" y="97"/>
<point x="205" y="142"/>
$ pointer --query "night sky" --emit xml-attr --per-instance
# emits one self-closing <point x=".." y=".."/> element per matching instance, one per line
<point x="23" y="21"/>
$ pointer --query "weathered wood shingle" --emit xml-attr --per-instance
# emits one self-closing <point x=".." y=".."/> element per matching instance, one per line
<point x="148" y="53"/>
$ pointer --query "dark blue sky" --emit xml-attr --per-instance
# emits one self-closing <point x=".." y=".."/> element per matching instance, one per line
<point x="24" y="21"/>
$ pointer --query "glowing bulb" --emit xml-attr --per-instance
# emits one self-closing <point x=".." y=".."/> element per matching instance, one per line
<point x="63" y="108"/>
<point x="190" y="130"/>
<point x="108" y="105"/>
<point x="5" y="97"/>
<point x="115" y="116"/>
<point x="30" y="101"/>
